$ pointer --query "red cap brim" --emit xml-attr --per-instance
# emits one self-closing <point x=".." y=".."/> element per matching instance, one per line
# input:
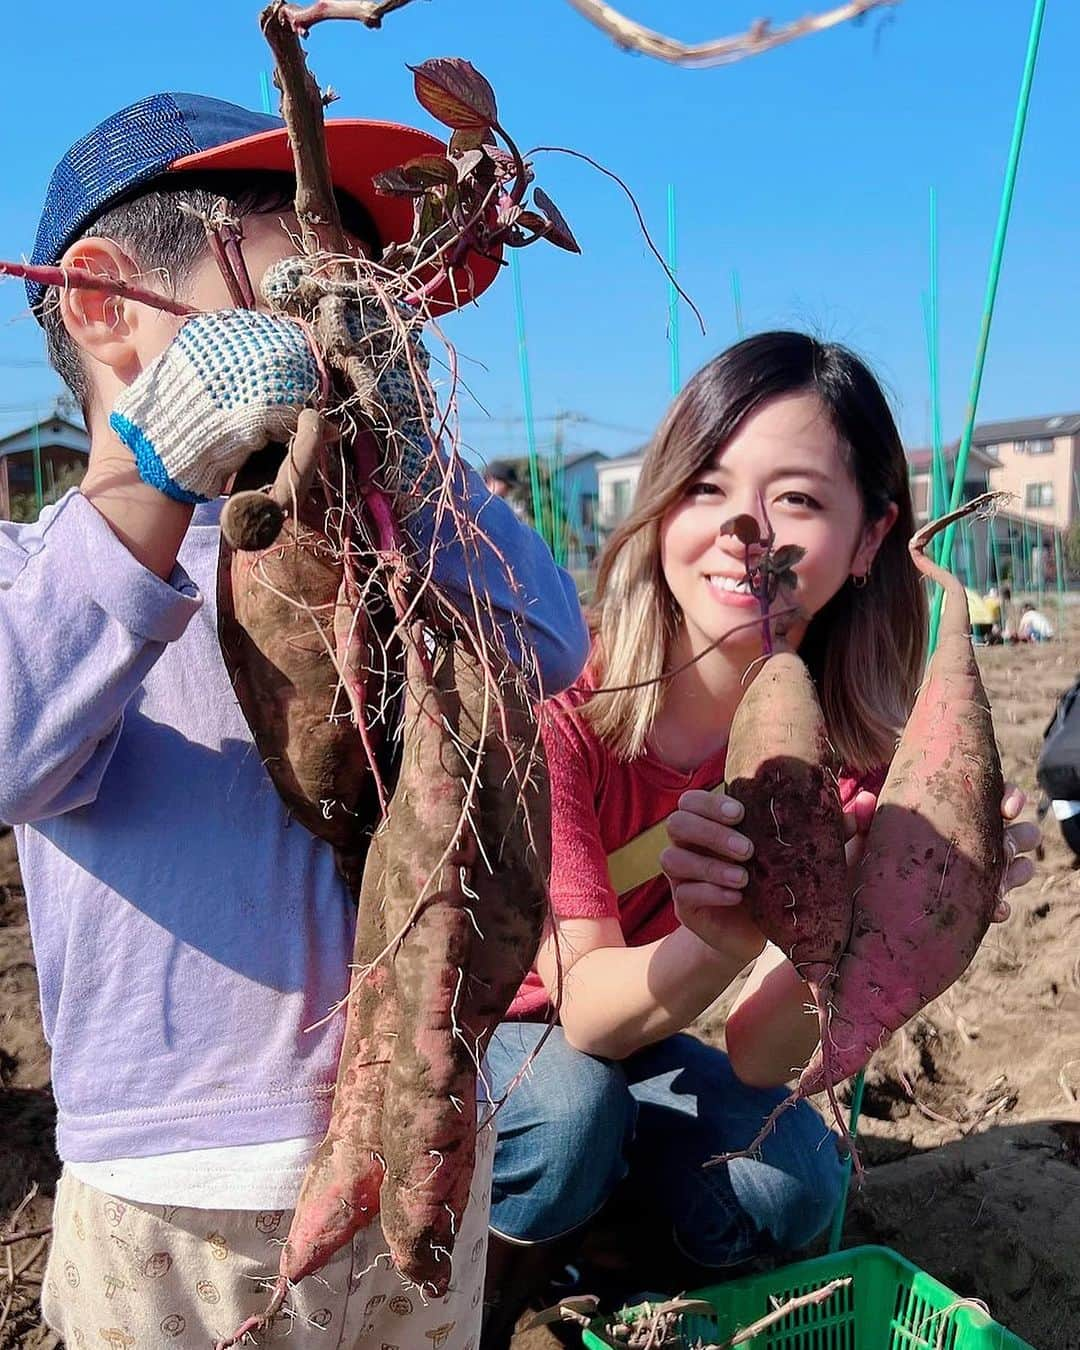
<point x="358" y="150"/>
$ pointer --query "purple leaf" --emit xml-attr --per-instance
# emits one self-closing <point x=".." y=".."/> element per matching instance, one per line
<point x="744" y="528"/>
<point x="785" y="558"/>
<point x="463" y="141"/>
<point x="532" y="221"/>
<point x="416" y="177"/>
<point x="455" y="93"/>
<point x="558" y="232"/>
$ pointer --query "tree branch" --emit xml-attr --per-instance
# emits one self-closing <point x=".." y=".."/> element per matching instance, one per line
<point x="759" y="37"/>
<point x="369" y="12"/>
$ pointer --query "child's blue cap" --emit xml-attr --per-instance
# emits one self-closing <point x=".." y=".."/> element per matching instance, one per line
<point x="166" y="133"/>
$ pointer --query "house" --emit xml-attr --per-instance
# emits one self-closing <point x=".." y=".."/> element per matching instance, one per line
<point x="580" y="492"/>
<point x="1037" y="459"/>
<point x="617" y="481"/>
<point x="976" y="476"/>
<point x="39" y="462"/>
<point x="1018" y="543"/>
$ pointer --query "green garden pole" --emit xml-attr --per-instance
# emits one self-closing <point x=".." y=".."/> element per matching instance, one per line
<point x="673" y="294"/>
<point x="997" y="254"/>
<point x="1059" y="570"/>
<point x="1040" y="574"/>
<point x="736" y="300"/>
<point x="540" y="514"/>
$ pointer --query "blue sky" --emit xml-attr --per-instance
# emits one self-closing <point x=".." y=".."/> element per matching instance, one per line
<point x="807" y="170"/>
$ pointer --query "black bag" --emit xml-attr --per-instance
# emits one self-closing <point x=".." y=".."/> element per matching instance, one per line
<point x="1058" y="768"/>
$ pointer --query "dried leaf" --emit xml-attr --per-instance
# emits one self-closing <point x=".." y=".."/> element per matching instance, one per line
<point x="559" y="232"/>
<point x="455" y="93"/>
<point x="468" y="163"/>
<point x="786" y="557"/>
<point x="787" y="580"/>
<point x="744" y="528"/>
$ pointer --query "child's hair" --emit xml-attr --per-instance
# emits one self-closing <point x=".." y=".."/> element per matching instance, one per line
<point x="166" y="241"/>
<point x="865" y="648"/>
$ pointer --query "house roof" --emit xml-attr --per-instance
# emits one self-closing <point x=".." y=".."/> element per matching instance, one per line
<point x="623" y="461"/>
<point x="583" y="458"/>
<point x="55" y="430"/>
<point x="1027" y="428"/>
<point x="920" y="458"/>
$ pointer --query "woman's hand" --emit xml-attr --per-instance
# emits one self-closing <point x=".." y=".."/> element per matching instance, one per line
<point x="706" y="865"/>
<point x="1021" y="838"/>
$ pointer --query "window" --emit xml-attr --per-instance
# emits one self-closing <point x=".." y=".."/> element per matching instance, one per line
<point x="992" y="450"/>
<point x="1042" y="445"/>
<point x="620" y="498"/>
<point x="1039" y="494"/>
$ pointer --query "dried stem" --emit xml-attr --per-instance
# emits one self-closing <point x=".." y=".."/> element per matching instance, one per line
<point x="76" y="278"/>
<point x="368" y="12"/>
<point x="609" y="173"/>
<point x="302" y="111"/>
<point x="785" y="1309"/>
<point x="8" y="1239"/>
<point x="759" y="37"/>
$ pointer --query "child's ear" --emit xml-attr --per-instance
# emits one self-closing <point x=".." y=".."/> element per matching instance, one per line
<point x="103" y="326"/>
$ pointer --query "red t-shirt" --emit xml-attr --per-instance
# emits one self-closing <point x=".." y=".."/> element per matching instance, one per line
<point x="599" y="803"/>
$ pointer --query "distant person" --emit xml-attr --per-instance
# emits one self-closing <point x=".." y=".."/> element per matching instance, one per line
<point x="1034" y="626"/>
<point x="1058" y="768"/>
<point x="993" y="609"/>
<point x="501" y="480"/>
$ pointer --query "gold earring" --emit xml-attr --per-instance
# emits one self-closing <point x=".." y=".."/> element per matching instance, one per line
<point x="859" y="582"/>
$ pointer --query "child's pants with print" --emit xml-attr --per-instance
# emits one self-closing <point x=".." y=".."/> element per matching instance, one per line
<point x="142" y="1277"/>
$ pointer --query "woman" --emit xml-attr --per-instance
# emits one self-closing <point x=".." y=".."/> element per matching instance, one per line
<point x="798" y="434"/>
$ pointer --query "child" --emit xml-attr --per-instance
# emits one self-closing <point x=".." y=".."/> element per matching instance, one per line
<point x="797" y="434"/>
<point x="1034" y="626"/>
<point x="189" y="938"/>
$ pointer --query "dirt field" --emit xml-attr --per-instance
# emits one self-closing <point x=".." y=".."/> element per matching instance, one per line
<point x="972" y="1124"/>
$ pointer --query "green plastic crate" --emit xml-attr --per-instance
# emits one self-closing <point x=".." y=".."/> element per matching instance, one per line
<point x="889" y="1305"/>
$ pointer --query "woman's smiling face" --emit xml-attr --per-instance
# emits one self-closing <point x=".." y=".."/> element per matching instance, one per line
<point x="787" y="467"/>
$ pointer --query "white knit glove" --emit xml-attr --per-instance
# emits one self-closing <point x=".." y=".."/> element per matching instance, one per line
<point x="227" y="385"/>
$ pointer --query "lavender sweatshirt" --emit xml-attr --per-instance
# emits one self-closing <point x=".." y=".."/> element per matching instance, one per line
<point x="187" y="932"/>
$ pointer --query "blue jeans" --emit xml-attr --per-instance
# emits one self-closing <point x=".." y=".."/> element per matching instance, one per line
<point x="575" y="1127"/>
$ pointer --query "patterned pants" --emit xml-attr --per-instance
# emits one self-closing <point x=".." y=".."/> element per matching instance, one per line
<point x="137" y="1277"/>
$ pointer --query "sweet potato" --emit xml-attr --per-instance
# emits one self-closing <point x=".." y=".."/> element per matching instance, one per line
<point x="287" y="633"/>
<point x="340" y="1194"/>
<point x="935" y="857"/>
<point x="780" y="766"/>
<point x="466" y="949"/>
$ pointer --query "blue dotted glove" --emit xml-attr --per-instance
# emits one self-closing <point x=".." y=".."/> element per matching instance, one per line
<point x="227" y="385"/>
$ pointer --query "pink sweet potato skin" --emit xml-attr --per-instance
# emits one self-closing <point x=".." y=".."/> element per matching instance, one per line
<point x="779" y="764"/>
<point x="464" y="956"/>
<point x="934" y="862"/>
<point x="285" y="680"/>
<point x="429" y="1123"/>
<point x="340" y="1194"/>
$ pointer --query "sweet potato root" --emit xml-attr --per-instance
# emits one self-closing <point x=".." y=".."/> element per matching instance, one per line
<point x="935" y="859"/>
